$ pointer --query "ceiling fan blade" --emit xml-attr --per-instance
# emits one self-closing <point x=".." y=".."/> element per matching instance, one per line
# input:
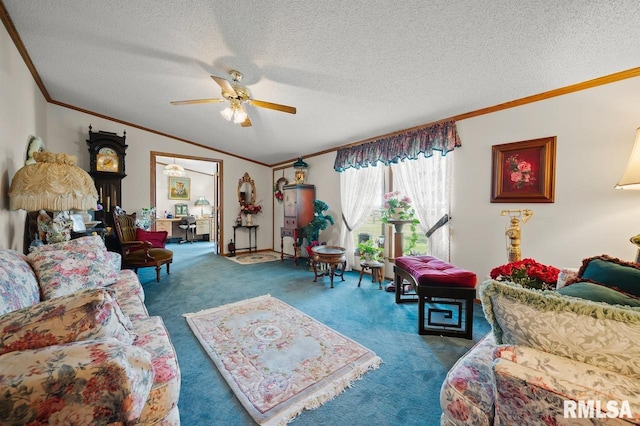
<point x="197" y="101"/>
<point x="246" y="122"/>
<point x="225" y="86"/>
<point x="269" y="105"/>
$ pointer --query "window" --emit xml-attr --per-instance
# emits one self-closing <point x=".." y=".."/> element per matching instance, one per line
<point x="427" y="182"/>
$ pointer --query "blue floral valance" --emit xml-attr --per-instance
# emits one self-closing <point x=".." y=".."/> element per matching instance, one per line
<point x="441" y="137"/>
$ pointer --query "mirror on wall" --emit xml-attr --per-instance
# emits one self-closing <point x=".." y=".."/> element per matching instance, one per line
<point x="246" y="190"/>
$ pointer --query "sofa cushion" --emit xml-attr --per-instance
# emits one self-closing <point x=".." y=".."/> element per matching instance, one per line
<point x="592" y="332"/>
<point x="18" y="283"/>
<point x="96" y="382"/>
<point x="611" y="272"/>
<point x="85" y="315"/>
<point x="599" y="293"/>
<point x="66" y="271"/>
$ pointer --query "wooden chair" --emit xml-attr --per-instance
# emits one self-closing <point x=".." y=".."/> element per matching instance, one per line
<point x="139" y="254"/>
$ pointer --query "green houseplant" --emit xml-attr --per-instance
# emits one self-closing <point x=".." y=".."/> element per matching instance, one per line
<point x="369" y="250"/>
<point x="319" y="222"/>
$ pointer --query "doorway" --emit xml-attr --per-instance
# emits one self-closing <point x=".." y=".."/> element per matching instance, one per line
<point x="201" y="181"/>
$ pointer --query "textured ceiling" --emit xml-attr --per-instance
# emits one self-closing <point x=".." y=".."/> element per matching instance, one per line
<point x="353" y="70"/>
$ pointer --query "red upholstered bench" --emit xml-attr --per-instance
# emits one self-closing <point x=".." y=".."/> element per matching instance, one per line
<point x="438" y="284"/>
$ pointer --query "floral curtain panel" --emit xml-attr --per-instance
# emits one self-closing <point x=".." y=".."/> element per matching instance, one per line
<point x="441" y="137"/>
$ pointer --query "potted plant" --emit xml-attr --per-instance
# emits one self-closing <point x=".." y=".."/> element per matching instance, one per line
<point x="319" y="222"/>
<point x="397" y="207"/>
<point x="370" y="251"/>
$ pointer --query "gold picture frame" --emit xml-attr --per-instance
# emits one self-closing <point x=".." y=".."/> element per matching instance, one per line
<point x="524" y="172"/>
<point x="179" y="188"/>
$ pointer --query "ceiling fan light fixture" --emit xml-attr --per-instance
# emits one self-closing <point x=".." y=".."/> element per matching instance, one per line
<point x="227" y="113"/>
<point x="240" y="115"/>
<point x="174" y="170"/>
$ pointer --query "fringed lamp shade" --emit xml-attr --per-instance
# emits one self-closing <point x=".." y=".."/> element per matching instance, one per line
<point x="53" y="183"/>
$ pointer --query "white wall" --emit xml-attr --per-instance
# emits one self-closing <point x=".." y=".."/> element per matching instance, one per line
<point x="22" y="115"/>
<point x="595" y="130"/>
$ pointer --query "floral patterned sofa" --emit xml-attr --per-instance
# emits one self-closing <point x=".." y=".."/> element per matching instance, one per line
<point x="77" y="344"/>
<point x="564" y="357"/>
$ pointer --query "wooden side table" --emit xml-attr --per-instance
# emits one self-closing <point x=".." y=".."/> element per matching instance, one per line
<point x="332" y="256"/>
<point x="377" y="271"/>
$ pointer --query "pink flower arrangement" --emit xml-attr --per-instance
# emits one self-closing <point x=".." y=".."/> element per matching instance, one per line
<point x="521" y="172"/>
<point x="393" y="200"/>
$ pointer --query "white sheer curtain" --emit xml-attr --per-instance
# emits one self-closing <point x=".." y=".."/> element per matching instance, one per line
<point x="427" y="181"/>
<point x="360" y="192"/>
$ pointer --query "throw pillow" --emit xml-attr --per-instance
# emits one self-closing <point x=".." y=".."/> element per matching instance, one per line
<point x="86" y="315"/>
<point x="62" y="272"/>
<point x="156" y="238"/>
<point x="599" y="293"/>
<point x="611" y="272"/>
<point x="591" y="332"/>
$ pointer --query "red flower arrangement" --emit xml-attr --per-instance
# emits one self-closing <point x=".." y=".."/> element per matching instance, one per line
<point x="250" y="209"/>
<point x="527" y="273"/>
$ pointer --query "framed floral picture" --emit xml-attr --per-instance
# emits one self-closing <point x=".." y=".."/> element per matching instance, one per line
<point x="179" y="188"/>
<point x="524" y="172"/>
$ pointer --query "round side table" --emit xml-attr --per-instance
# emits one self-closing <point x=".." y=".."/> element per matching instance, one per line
<point x="377" y="271"/>
<point x="334" y="259"/>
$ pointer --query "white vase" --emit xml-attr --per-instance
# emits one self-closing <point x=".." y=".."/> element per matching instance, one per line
<point x="249" y="219"/>
<point x="397" y="211"/>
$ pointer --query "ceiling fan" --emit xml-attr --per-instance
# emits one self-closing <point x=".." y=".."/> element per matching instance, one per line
<point x="237" y="96"/>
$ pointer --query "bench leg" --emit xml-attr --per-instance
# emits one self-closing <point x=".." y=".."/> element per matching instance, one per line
<point x="458" y="297"/>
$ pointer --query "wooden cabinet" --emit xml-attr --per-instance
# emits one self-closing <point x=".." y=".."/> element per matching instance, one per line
<point x="203" y="227"/>
<point x="165" y="225"/>
<point x="298" y="205"/>
<point x="298" y="212"/>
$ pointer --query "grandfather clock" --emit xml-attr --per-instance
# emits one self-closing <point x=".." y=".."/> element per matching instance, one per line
<point x="106" y="153"/>
<point x="298" y="212"/>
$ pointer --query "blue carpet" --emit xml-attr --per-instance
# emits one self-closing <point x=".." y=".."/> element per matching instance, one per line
<point x="403" y="391"/>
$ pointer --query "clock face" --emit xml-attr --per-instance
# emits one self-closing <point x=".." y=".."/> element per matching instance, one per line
<point x="107" y="160"/>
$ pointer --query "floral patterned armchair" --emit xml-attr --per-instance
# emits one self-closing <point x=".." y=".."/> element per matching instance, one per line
<point x="77" y="345"/>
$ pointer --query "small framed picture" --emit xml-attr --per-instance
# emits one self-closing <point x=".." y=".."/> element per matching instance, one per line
<point x="524" y="172"/>
<point x="179" y="188"/>
<point x="181" y="210"/>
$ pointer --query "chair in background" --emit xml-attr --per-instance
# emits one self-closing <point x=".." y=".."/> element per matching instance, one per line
<point x="188" y="223"/>
<point x="140" y="248"/>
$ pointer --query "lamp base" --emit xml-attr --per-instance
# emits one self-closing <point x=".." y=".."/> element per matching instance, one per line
<point x="56" y="229"/>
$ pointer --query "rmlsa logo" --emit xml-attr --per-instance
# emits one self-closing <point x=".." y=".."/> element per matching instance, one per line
<point x="595" y="409"/>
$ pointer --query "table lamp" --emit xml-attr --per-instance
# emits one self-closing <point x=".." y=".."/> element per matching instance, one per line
<point x="631" y="180"/>
<point x="53" y="183"/>
<point x="202" y="202"/>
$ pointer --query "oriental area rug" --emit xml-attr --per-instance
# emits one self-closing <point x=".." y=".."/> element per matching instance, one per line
<point x="277" y="360"/>
<point x="252" y="258"/>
